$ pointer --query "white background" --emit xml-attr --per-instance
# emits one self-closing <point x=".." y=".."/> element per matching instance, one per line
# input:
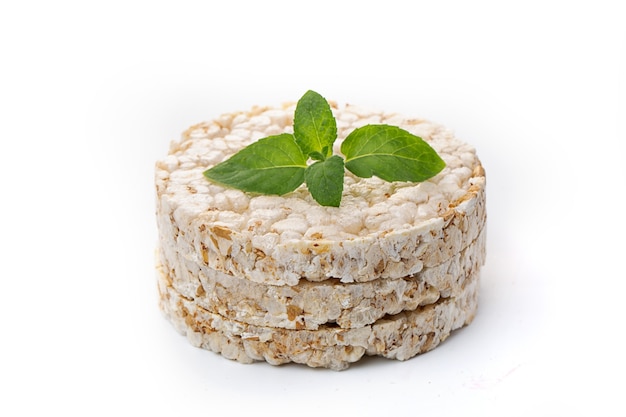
<point x="91" y="95"/>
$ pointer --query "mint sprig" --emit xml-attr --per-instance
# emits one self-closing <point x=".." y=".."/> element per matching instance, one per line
<point x="280" y="164"/>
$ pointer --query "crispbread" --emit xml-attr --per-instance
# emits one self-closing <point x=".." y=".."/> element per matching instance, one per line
<point x="390" y="272"/>
<point x="311" y="304"/>
<point x="401" y="336"/>
<point x="381" y="230"/>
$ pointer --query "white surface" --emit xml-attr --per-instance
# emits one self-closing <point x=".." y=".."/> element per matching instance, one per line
<point x="90" y="97"/>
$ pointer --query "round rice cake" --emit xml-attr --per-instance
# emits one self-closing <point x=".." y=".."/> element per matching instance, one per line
<point x="308" y="305"/>
<point x="381" y="229"/>
<point x="399" y="336"/>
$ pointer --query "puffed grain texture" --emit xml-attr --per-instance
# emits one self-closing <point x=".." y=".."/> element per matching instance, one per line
<point x="311" y="304"/>
<point x="381" y="230"/>
<point x="401" y="336"/>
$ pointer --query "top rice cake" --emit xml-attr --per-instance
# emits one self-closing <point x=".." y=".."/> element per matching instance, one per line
<point x="381" y="229"/>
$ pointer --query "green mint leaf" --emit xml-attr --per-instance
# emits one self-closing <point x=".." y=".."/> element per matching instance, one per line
<point x="318" y="156"/>
<point x="273" y="165"/>
<point x="390" y="153"/>
<point x="314" y="125"/>
<point x="324" y="180"/>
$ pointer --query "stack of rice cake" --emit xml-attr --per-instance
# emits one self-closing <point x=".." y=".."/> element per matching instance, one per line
<point x="391" y="272"/>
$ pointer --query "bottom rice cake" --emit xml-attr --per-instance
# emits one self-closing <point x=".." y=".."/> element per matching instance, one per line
<point x="308" y="305"/>
<point x="400" y="336"/>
